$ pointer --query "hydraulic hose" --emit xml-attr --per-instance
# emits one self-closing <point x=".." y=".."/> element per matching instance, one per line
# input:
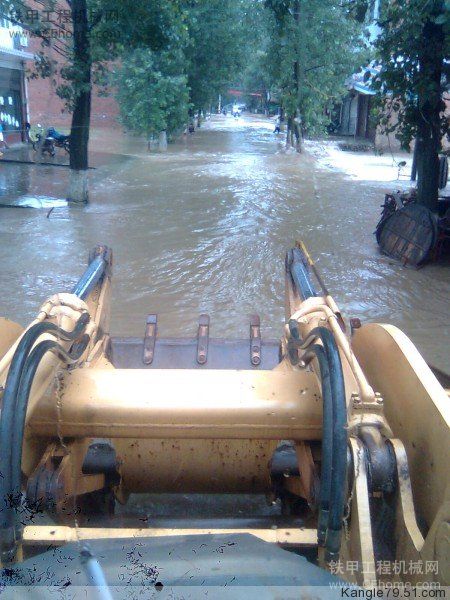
<point x="95" y="574"/>
<point x="327" y="441"/>
<point x="16" y="394"/>
<point x="22" y="351"/>
<point x="340" y="441"/>
<point x="23" y="395"/>
<point x="337" y="471"/>
<point x="7" y="417"/>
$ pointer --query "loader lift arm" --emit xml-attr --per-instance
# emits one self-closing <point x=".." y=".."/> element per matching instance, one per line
<point x="317" y="427"/>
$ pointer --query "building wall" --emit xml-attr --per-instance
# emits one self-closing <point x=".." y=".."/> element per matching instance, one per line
<point x="386" y="142"/>
<point x="348" y="115"/>
<point x="47" y="109"/>
<point x="354" y="116"/>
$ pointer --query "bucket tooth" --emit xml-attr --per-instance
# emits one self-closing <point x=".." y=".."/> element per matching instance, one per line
<point x="150" y="339"/>
<point x="255" y="340"/>
<point x="202" y="339"/>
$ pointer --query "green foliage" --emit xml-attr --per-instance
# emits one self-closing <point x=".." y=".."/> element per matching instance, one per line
<point x="218" y="43"/>
<point x="114" y="27"/>
<point x="314" y="45"/>
<point x="152" y="94"/>
<point x="414" y="41"/>
<point x="216" y="48"/>
<point x="209" y="37"/>
<point x="255" y="75"/>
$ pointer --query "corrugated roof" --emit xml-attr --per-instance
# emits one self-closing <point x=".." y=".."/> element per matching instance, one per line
<point x="363" y="89"/>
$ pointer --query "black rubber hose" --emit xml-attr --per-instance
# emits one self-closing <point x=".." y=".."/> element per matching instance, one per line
<point x="339" y="444"/>
<point x="10" y="534"/>
<point x="9" y="403"/>
<point x="340" y="440"/>
<point x="23" y="395"/>
<point x="327" y="441"/>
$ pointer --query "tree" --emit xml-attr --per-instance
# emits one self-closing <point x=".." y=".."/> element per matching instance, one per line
<point x="255" y="75"/>
<point x="90" y="34"/>
<point x="157" y="88"/>
<point x="412" y="49"/>
<point x="314" y="46"/>
<point x="152" y="92"/>
<point x="216" y="50"/>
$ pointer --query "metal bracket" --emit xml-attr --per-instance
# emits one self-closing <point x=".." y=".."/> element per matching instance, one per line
<point x="150" y="339"/>
<point x="255" y="340"/>
<point x="358" y="543"/>
<point x="100" y="458"/>
<point x="58" y="478"/>
<point x="409" y="538"/>
<point x="202" y="339"/>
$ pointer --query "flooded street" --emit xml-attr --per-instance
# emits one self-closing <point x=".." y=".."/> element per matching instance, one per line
<point x="204" y="228"/>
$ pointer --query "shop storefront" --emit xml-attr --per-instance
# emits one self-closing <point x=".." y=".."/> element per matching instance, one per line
<point x="13" y="98"/>
<point x="12" y="115"/>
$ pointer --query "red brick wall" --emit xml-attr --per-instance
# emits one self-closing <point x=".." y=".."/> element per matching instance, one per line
<point x="46" y="108"/>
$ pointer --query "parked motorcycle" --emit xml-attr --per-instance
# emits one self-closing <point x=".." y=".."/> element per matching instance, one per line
<point x="49" y="141"/>
<point x="60" y="140"/>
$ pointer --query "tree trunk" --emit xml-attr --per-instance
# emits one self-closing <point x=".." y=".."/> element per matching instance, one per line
<point x="298" y="133"/>
<point x="297" y="119"/>
<point x="81" y="116"/>
<point x="430" y="108"/>
<point x="289" y="126"/>
<point x="428" y="167"/>
<point x="162" y="141"/>
<point x="414" y="161"/>
<point x="298" y="139"/>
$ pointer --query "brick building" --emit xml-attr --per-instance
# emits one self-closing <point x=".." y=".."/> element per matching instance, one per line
<point x="24" y="99"/>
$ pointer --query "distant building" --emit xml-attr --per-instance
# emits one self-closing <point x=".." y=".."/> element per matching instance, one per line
<point x="354" y="112"/>
<point x="354" y="118"/>
<point x="13" y="86"/>
<point x="353" y="115"/>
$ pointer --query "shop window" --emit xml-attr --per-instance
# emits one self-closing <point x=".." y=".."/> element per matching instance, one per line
<point x="10" y="110"/>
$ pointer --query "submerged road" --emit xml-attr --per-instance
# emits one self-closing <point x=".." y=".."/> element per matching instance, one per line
<point x="204" y="228"/>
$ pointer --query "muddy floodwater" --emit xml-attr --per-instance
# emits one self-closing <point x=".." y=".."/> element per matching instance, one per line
<point x="204" y="228"/>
